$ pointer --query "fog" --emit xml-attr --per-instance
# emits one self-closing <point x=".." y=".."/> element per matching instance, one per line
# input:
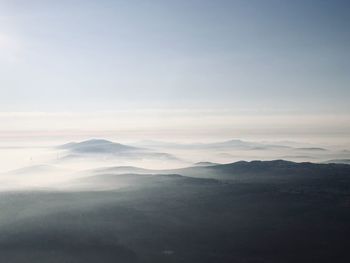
<point x="31" y="165"/>
<point x="153" y="201"/>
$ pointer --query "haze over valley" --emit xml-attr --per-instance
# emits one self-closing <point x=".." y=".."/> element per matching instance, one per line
<point x="187" y="131"/>
<point x="61" y="162"/>
<point x="99" y="200"/>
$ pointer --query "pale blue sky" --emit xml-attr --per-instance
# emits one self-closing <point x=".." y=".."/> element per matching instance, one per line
<point x="246" y="56"/>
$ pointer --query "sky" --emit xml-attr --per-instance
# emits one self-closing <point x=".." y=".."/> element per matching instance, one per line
<point x="258" y="67"/>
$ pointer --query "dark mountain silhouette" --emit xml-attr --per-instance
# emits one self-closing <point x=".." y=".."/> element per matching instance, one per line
<point x="263" y="171"/>
<point x="257" y="172"/>
<point x="243" y="170"/>
<point x="174" y="218"/>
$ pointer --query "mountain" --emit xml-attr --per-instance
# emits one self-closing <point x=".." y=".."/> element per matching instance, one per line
<point x="339" y="161"/>
<point x="235" y="149"/>
<point x="205" y="164"/>
<point x="278" y="170"/>
<point x="313" y="149"/>
<point x="121" y="170"/>
<point x="267" y="170"/>
<point x="236" y="144"/>
<point x="108" y="149"/>
<point x="98" y="146"/>
<point x="288" y="212"/>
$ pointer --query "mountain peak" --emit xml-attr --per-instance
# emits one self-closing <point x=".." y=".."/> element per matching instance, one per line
<point x="97" y="146"/>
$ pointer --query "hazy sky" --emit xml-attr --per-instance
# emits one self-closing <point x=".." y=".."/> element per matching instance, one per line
<point x="246" y="57"/>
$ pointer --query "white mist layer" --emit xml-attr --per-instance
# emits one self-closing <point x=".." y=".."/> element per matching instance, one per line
<point x="29" y="167"/>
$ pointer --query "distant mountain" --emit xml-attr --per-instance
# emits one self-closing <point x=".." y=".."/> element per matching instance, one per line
<point x="230" y="144"/>
<point x="235" y="144"/>
<point x="275" y="168"/>
<point x="306" y="157"/>
<point x="224" y="151"/>
<point x="205" y="164"/>
<point x="105" y="148"/>
<point x="98" y="146"/>
<point x="339" y="161"/>
<point x="243" y="170"/>
<point x="245" y="145"/>
<point x="122" y="170"/>
<point x="313" y="149"/>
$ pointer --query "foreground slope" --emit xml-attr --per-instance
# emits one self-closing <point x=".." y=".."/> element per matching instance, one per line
<point x="174" y="218"/>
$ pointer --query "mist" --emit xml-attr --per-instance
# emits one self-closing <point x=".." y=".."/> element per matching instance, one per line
<point x="174" y="131"/>
<point x="52" y="165"/>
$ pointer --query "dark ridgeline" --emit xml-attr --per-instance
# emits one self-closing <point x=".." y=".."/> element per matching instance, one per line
<point x="274" y="211"/>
